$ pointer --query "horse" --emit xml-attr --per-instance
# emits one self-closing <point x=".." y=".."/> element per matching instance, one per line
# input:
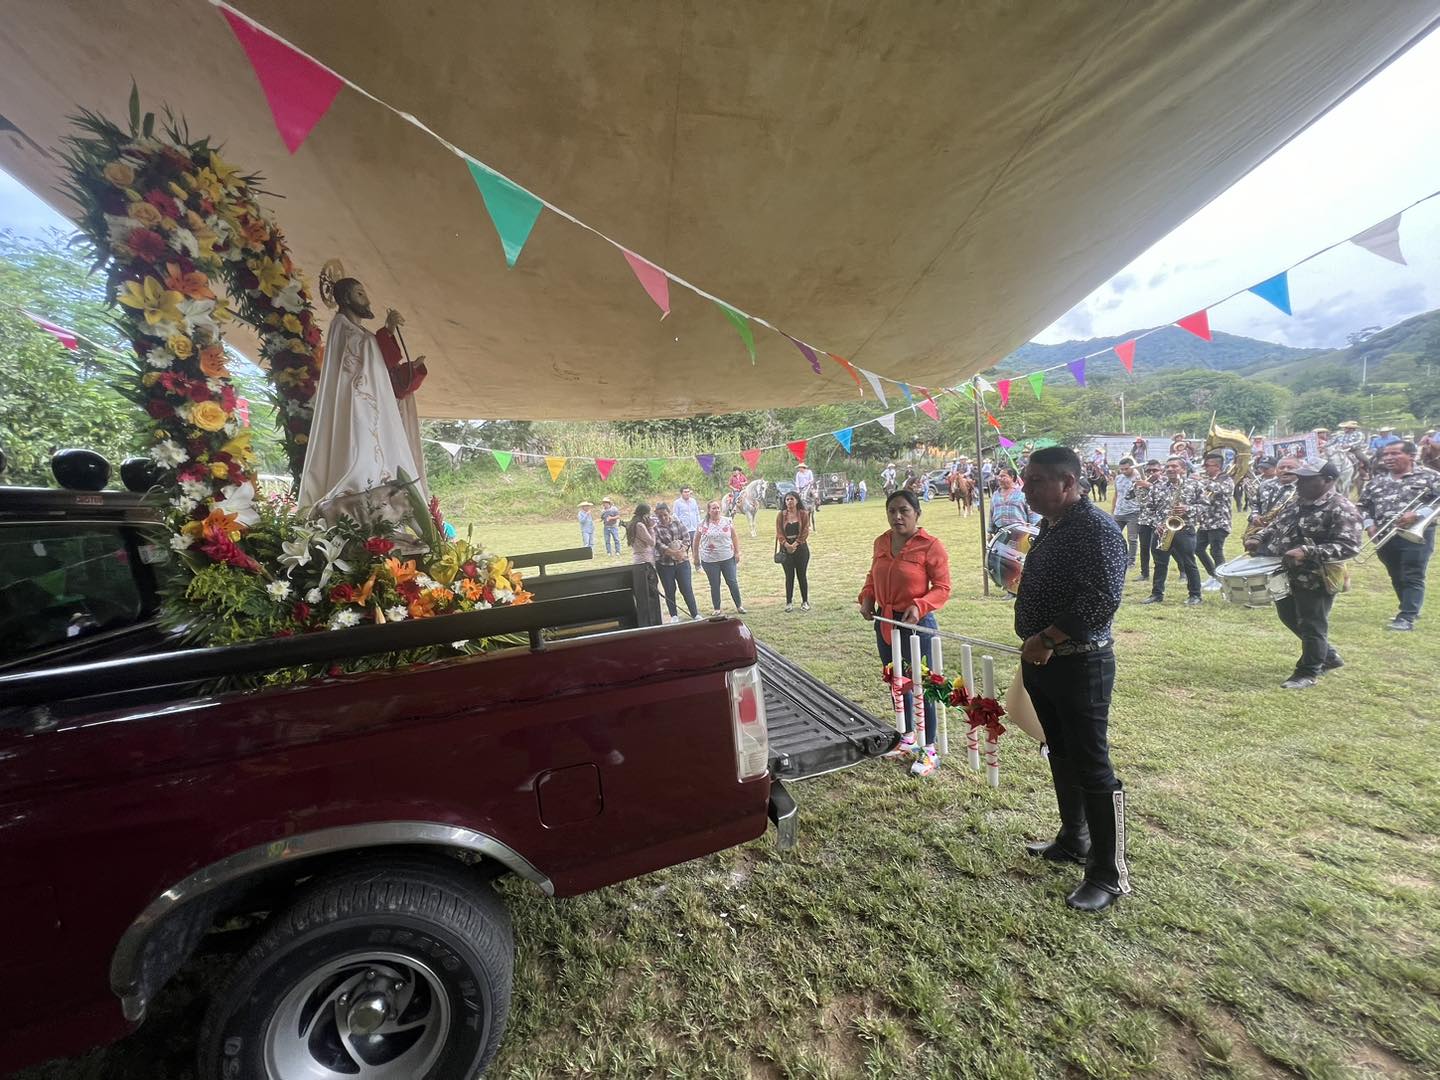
<point x="810" y="499"/>
<point x="750" y="501"/>
<point x="1099" y="480"/>
<point x="962" y="490"/>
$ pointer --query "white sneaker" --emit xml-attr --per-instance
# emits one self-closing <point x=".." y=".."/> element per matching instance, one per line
<point x="805" y="606"/>
<point x="1212" y="585"/>
<point x="789" y="607"/>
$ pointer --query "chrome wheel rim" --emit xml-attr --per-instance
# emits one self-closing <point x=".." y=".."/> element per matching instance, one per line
<point x="364" y="1016"/>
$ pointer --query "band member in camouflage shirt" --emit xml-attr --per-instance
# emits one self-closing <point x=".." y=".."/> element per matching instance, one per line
<point x="1313" y="535"/>
<point x="1212" y="515"/>
<point x="1176" y="496"/>
<point x="1278" y="486"/>
<point x="1380" y="501"/>
<point x="1147" y="522"/>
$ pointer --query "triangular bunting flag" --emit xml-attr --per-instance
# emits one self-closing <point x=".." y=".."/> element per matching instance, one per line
<point x="1077" y="368"/>
<point x="887" y="422"/>
<point x="1002" y="387"/>
<point x="990" y="419"/>
<point x="513" y="210"/>
<point x="502" y="458"/>
<point x="844" y="437"/>
<point x="1275" y="290"/>
<point x="1037" y="382"/>
<point x="968" y="391"/>
<point x="742" y="324"/>
<point x="930" y="409"/>
<point x="451" y="448"/>
<point x="752" y="458"/>
<point x="555" y="464"/>
<point x="656" y="467"/>
<point x="299" y="90"/>
<point x="1007" y="443"/>
<point x="707" y="462"/>
<point x="654" y="280"/>
<point x="807" y="352"/>
<point x="1198" y="324"/>
<point x="1383" y="240"/>
<point x="603" y="466"/>
<point x="849" y="369"/>
<point x="797" y="447"/>
<point x="1126" y="352"/>
<point x="59" y="333"/>
<point x="985" y="384"/>
<point x="875" y="385"/>
<point x="906" y="391"/>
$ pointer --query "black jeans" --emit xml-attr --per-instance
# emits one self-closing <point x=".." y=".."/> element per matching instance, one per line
<point x="1147" y="540"/>
<point x="1210" y="548"/>
<point x="1071" y="695"/>
<point x="1306" y="613"/>
<point x="1182" y="550"/>
<point x="673" y="575"/>
<point x="1406" y="563"/>
<point x="795" y="565"/>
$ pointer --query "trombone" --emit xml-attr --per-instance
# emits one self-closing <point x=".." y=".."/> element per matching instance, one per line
<point x="1413" y="533"/>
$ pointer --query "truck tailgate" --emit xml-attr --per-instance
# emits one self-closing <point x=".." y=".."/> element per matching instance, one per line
<point x="814" y="730"/>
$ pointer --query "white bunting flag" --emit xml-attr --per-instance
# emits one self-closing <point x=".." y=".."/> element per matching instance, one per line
<point x="875" y="384"/>
<point x="887" y="421"/>
<point x="1383" y="240"/>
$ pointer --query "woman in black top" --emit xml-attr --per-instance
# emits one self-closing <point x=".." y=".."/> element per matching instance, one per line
<point x="792" y="541"/>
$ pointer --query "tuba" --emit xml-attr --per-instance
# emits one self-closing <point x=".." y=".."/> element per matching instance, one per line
<point x="1237" y="441"/>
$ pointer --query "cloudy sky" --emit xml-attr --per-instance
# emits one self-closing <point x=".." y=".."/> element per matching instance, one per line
<point x="1372" y="155"/>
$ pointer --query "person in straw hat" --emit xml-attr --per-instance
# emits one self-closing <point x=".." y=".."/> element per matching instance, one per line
<point x="587" y="525"/>
<point x="610" y="525"/>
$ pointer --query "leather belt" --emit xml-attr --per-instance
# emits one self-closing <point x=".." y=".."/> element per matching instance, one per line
<point x="1074" y="648"/>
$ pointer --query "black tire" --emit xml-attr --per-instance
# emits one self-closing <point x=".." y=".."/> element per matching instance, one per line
<point x="431" y="912"/>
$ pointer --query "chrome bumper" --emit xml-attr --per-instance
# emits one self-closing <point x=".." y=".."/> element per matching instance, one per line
<point x="785" y="814"/>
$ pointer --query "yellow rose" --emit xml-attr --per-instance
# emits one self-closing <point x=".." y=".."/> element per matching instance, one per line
<point x="151" y="378"/>
<point x="292" y="324"/>
<point x="219" y="470"/>
<point x="144" y="213"/>
<point x="208" y="416"/>
<point x="119" y="174"/>
<point x="180" y="345"/>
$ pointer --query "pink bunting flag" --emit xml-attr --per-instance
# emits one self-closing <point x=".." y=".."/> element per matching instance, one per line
<point x="930" y="409"/>
<point x="300" y="90"/>
<point x="807" y="352"/>
<point x="1197" y="324"/>
<point x="1126" y="352"/>
<point x="850" y="370"/>
<point x="798" y="449"/>
<point x="1002" y="387"/>
<point x="752" y="458"/>
<point x="654" y="280"/>
<point x="59" y="333"/>
<point x="603" y="466"/>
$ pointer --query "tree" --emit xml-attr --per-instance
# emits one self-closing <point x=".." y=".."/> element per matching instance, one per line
<point x="1323" y="408"/>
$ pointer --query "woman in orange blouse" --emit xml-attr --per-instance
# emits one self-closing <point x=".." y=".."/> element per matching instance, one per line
<point x="909" y="581"/>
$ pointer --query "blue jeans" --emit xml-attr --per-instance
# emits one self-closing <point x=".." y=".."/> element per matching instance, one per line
<point x="1406" y="563"/>
<point x="882" y="643"/>
<point x="678" y="574"/>
<point x="713" y="571"/>
<point x="612" y="535"/>
<point x="587" y="536"/>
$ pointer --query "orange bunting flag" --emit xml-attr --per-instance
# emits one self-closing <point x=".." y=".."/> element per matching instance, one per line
<point x="930" y="409"/>
<point x="798" y="449"/>
<point x="555" y="464"/>
<point x="850" y="370"/>
<point x="602" y="466"/>
<point x="1126" y="352"/>
<point x="1197" y="324"/>
<point x="990" y="419"/>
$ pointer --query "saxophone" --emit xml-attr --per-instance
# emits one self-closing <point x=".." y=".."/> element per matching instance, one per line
<point x="1174" y="523"/>
<point x="1263" y="521"/>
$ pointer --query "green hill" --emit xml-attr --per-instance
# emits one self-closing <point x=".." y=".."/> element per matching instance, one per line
<point x="1394" y="355"/>
<point x="1171" y="347"/>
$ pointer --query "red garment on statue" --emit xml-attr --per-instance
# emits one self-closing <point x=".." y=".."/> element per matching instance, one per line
<point x="405" y="377"/>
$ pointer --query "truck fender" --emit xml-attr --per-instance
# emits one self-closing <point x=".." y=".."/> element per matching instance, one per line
<point x="161" y="937"/>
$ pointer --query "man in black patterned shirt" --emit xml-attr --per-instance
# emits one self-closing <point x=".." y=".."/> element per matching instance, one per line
<point x="1385" y="498"/>
<point x="1314" y="534"/>
<point x="1074" y="576"/>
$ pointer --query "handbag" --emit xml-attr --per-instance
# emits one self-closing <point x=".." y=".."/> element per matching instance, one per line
<point x="779" y="555"/>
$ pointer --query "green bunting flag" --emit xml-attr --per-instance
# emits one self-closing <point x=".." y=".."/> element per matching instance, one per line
<point x="503" y="458"/>
<point x="512" y="209"/>
<point x="1037" y="383"/>
<point x="656" y="467"/>
<point x="742" y="324"/>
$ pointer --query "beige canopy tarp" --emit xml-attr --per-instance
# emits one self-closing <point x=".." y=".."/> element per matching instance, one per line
<point x="916" y="185"/>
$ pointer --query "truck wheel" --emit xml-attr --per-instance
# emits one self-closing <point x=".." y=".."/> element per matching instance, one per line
<point x="399" y="969"/>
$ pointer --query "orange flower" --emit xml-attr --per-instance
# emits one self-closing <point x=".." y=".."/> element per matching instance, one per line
<point x="212" y="362"/>
<point x="363" y="597"/>
<point x="194" y="284"/>
<point x="220" y="524"/>
<point x="473" y="590"/>
<point x="423" y="606"/>
<point x="401" y="572"/>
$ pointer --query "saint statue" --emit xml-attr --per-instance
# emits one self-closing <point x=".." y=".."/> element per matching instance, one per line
<point x="364" y="442"/>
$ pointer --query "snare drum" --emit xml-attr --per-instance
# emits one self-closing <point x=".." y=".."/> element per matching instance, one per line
<point x="1254" y="580"/>
<point x="1005" y="555"/>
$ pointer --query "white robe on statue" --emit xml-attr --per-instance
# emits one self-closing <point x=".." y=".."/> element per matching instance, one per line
<point x="358" y="440"/>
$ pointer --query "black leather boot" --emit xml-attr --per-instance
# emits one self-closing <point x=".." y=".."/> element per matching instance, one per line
<point x="1072" y="842"/>
<point x="1107" y="877"/>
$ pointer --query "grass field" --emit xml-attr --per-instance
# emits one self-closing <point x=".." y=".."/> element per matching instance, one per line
<point x="1283" y="847"/>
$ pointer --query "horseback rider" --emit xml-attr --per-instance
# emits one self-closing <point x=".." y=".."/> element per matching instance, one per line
<point x="738" y="480"/>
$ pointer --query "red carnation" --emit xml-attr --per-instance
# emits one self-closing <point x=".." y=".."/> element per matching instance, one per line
<point x="162" y="201"/>
<point x="159" y="410"/>
<point x="378" y="545"/>
<point x="301" y="612"/>
<point x="228" y="398"/>
<point x="146" y="244"/>
<point x="469" y="569"/>
<point x="198" y="391"/>
<point x="408" y="590"/>
<point x="938" y="679"/>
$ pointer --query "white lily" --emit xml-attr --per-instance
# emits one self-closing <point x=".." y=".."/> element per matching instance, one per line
<point x="331" y="547"/>
<point x="240" y="500"/>
<point x="288" y="298"/>
<point x="200" y="315"/>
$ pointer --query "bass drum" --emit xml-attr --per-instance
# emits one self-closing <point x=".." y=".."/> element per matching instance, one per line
<point x="1005" y="555"/>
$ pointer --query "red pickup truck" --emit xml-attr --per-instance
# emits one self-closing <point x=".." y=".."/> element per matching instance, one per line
<point x="355" y="822"/>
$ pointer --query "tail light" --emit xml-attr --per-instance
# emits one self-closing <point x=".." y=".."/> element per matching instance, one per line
<point x="747" y="714"/>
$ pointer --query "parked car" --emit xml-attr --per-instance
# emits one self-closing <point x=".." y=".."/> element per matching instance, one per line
<point x="352" y="824"/>
<point x="936" y="483"/>
<point x="833" y="487"/>
<point x="776" y="492"/>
